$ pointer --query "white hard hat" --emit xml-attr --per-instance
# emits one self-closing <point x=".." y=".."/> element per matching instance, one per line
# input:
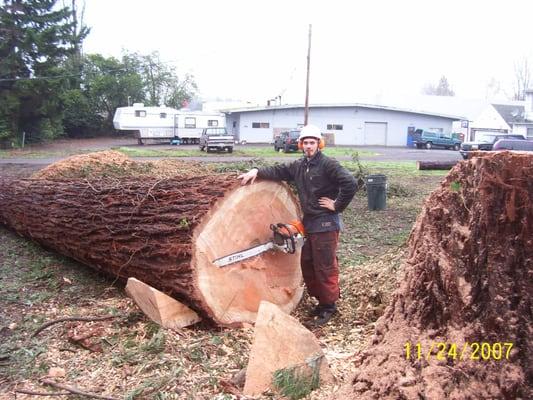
<point x="311" y="131"/>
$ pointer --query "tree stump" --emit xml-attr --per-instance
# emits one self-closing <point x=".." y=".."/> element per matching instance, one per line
<point x="466" y="293"/>
<point x="166" y="233"/>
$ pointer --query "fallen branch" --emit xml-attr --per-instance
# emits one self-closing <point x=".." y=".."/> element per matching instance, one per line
<point x="57" y="321"/>
<point x="73" y="390"/>
<point x="31" y="392"/>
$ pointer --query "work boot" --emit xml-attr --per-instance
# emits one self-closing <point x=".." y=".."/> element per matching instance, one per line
<point x="316" y="311"/>
<point x="326" y="312"/>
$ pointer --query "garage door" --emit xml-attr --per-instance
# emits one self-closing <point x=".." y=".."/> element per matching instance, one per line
<point x="375" y="133"/>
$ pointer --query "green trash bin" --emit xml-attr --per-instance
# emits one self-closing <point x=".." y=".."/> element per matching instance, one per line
<point x="376" y="191"/>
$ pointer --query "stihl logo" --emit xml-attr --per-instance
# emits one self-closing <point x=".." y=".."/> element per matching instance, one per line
<point x="235" y="257"/>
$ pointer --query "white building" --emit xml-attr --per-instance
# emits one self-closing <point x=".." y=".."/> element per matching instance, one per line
<point x="519" y="116"/>
<point x="341" y="124"/>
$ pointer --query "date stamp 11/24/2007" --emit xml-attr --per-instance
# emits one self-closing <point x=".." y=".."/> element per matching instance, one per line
<point x="476" y="351"/>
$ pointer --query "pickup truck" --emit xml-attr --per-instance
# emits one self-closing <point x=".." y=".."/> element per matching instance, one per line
<point x="217" y="139"/>
<point x="485" y="142"/>
<point x="426" y="139"/>
<point x="287" y="141"/>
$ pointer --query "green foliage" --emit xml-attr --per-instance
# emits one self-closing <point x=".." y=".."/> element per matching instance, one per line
<point x="455" y="186"/>
<point x="79" y="116"/>
<point x="32" y="67"/>
<point x="296" y="382"/>
<point x="161" y="83"/>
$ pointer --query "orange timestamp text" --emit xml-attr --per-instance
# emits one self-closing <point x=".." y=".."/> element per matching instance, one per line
<point x="451" y="351"/>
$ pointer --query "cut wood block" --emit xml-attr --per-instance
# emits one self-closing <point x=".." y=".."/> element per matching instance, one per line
<point x="281" y="342"/>
<point x="160" y="308"/>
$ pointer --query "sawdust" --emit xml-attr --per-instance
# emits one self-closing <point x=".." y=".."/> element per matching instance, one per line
<point x="467" y="282"/>
<point x="113" y="164"/>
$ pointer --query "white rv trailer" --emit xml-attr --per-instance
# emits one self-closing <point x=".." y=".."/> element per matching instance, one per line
<point x="165" y="123"/>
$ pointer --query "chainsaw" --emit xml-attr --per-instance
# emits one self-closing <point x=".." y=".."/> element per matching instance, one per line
<point x="286" y="238"/>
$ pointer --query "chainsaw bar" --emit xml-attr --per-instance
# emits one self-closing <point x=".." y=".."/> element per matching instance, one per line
<point x="243" y="255"/>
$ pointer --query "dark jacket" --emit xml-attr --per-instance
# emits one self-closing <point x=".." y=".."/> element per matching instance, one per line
<point x="321" y="176"/>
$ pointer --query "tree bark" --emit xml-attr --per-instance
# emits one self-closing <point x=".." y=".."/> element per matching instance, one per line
<point x="166" y="233"/>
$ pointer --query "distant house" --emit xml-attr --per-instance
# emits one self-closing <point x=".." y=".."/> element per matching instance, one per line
<point x="519" y="116"/>
<point x="341" y="124"/>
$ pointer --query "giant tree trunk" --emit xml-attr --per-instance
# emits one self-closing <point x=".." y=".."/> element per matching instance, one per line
<point x="466" y="293"/>
<point x="166" y="233"/>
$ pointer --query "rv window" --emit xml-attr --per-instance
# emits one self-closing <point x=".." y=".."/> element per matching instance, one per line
<point x="140" y="113"/>
<point x="212" y="122"/>
<point x="190" y="122"/>
<point x="334" y="127"/>
<point x="260" y="124"/>
<point x="163" y="115"/>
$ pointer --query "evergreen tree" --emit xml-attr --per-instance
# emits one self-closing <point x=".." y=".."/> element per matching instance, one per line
<point x="36" y="38"/>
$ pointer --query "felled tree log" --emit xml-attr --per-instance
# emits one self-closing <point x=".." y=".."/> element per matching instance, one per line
<point x="166" y="233"/>
<point x="426" y="165"/>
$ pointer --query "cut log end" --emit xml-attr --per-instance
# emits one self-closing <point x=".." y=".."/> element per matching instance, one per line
<point x="242" y="220"/>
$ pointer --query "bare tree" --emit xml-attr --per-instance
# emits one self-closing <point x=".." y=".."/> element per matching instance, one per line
<point x="443" y="88"/>
<point x="522" y="78"/>
<point x="494" y="89"/>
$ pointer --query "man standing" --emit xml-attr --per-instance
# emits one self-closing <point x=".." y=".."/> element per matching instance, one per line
<point x="325" y="189"/>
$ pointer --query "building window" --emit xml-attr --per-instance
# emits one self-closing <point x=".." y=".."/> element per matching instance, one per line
<point x="190" y="122"/>
<point x="260" y="124"/>
<point x="140" y="113"/>
<point x="162" y="115"/>
<point x="212" y="122"/>
<point x="334" y="127"/>
<point x="530" y="133"/>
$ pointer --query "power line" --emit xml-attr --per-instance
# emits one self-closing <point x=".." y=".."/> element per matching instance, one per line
<point x="37" y="78"/>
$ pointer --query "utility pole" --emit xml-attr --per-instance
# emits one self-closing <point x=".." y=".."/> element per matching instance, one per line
<point x="306" y="112"/>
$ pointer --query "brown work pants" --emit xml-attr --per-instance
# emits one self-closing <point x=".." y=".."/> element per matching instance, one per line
<point x="320" y="268"/>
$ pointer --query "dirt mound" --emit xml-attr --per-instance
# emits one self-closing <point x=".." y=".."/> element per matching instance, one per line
<point x="459" y="325"/>
<point x="113" y="164"/>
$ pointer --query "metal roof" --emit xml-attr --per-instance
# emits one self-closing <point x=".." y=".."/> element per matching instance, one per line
<point x="511" y="113"/>
<point x="342" y="105"/>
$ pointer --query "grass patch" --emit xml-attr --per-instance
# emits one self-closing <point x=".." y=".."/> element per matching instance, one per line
<point x="297" y="382"/>
<point x="329" y="151"/>
<point x="144" y="152"/>
<point x="394" y="168"/>
<point x="242" y="151"/>
<point x="37" y="154"/>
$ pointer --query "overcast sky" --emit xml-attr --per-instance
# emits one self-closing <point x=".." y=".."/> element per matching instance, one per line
<point x="361" y="50"/>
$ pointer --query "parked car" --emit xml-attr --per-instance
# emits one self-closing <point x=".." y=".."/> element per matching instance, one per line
<point x="485" y="142"/>
<point x="287" y="141"/>
<point x="513" y="144"/>
<point x="428" y="140"/>
<point x="216" y="139"/>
